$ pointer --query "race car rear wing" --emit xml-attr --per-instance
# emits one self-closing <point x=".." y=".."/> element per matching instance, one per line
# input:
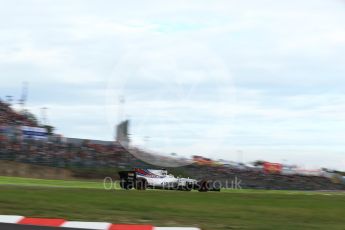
<point x="128" y="175"/>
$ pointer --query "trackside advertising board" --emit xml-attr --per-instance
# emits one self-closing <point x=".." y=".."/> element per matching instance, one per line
<point x="272" y="167"/>
<point x="34" y="133"/>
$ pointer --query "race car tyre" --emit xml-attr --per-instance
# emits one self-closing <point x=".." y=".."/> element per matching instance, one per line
<point x="126" y="185"/>
<point x="141" y="184"/>
<point x="123" y="184"/>
<point x="188" y="187"/>
<point x="203" y="186"/>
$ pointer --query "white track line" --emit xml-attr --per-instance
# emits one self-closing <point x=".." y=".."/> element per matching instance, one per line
<point x="10" y="219"/>
<point x="86" y="225"/>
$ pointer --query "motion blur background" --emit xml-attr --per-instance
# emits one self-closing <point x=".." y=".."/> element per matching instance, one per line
<point x="226" y="87"/>
<point x="248" y="94"/>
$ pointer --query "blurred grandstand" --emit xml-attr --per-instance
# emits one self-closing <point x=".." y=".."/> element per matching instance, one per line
<point x="24" y="141"/>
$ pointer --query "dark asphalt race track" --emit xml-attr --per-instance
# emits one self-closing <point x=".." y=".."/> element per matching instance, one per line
<point x="30" y="227"/>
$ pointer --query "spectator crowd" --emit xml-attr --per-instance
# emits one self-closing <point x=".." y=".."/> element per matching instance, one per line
<point x="75" y="153"/>
<point x="9" y="117"/>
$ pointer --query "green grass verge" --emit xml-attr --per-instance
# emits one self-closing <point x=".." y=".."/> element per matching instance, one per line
<point x="50" y="183"/>
<point x="243" y="209"/>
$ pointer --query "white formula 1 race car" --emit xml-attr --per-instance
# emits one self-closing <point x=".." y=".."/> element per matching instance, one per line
<point x="142" y="179"/>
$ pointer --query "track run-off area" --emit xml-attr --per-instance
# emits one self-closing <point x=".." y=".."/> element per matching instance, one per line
<point x="228" y="209"/>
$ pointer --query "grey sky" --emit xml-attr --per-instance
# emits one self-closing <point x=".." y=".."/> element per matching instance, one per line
<point x="199" y="77"/>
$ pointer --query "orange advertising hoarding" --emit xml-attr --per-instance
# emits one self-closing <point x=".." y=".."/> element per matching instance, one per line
<point x="272" y="167"/>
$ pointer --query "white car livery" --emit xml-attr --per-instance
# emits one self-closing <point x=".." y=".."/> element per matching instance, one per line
<point x="142" y="179"/>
